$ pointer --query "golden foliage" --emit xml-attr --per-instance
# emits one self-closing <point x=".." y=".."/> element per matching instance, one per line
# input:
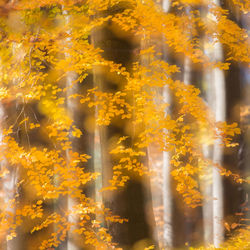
<point x="33" y="67"/>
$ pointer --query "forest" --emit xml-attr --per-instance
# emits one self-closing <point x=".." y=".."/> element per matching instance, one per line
<point x="124" y="124"/>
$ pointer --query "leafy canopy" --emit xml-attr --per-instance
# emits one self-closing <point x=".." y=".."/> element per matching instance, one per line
<point x="43" y="42"/>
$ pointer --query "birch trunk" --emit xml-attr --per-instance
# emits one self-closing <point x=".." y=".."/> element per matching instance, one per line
<point x="9" y="188"/>
<point x="213" y="210"/>
<point x="69" y="203"/>
<point x="213" y="184"/>
<point x="167" y="194"/>
<point x="207" y="179"/>
<point x="220" y="111"/>
<point x="218" y="81"/>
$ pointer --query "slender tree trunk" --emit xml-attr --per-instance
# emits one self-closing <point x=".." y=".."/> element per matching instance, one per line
<point x="220" y="112"/>
<point x="206" y="180"/>
<point x="71" y="108"/>
<point x="71" y="244"/>
<point x="187" y="71"/>
<point x="216" y="98"/>
<point x="8" y="187"/>
<point x="167" y="193"/>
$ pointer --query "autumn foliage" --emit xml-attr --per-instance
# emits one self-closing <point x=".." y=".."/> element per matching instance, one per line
<point x="46" y="43"/>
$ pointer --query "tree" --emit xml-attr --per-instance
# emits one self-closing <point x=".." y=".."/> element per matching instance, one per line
<point x="73" y="71"/>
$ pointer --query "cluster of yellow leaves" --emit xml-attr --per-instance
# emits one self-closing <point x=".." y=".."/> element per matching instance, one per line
<point x="228" y="131"/>
<point x="92" y="230"/>
<point x="128" y="164"/>
<point x="230" y="35"/>
<point x="59" y="235"/>
<point x="108" y="105"/>
<point x="10" y="221"/>
<point x="3" y="93"/>
<point x="48" y="171"/>
<point x="181" y="31"/>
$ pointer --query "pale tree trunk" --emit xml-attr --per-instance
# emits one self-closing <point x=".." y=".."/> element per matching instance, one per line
<point x="71" y="88"/>
<point x="166" y="192"/>
<point x="212" y="181"/>
<point x="206" y="180"/>
<point x="70" y="201"/>
<point x="187" y="71"/>
<point x="213" y="205"/>
<point x="218" y="81"/>
<point x="97" y="163"/>
<point x="220" y="112"/>
<point x="9" y="182"/>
